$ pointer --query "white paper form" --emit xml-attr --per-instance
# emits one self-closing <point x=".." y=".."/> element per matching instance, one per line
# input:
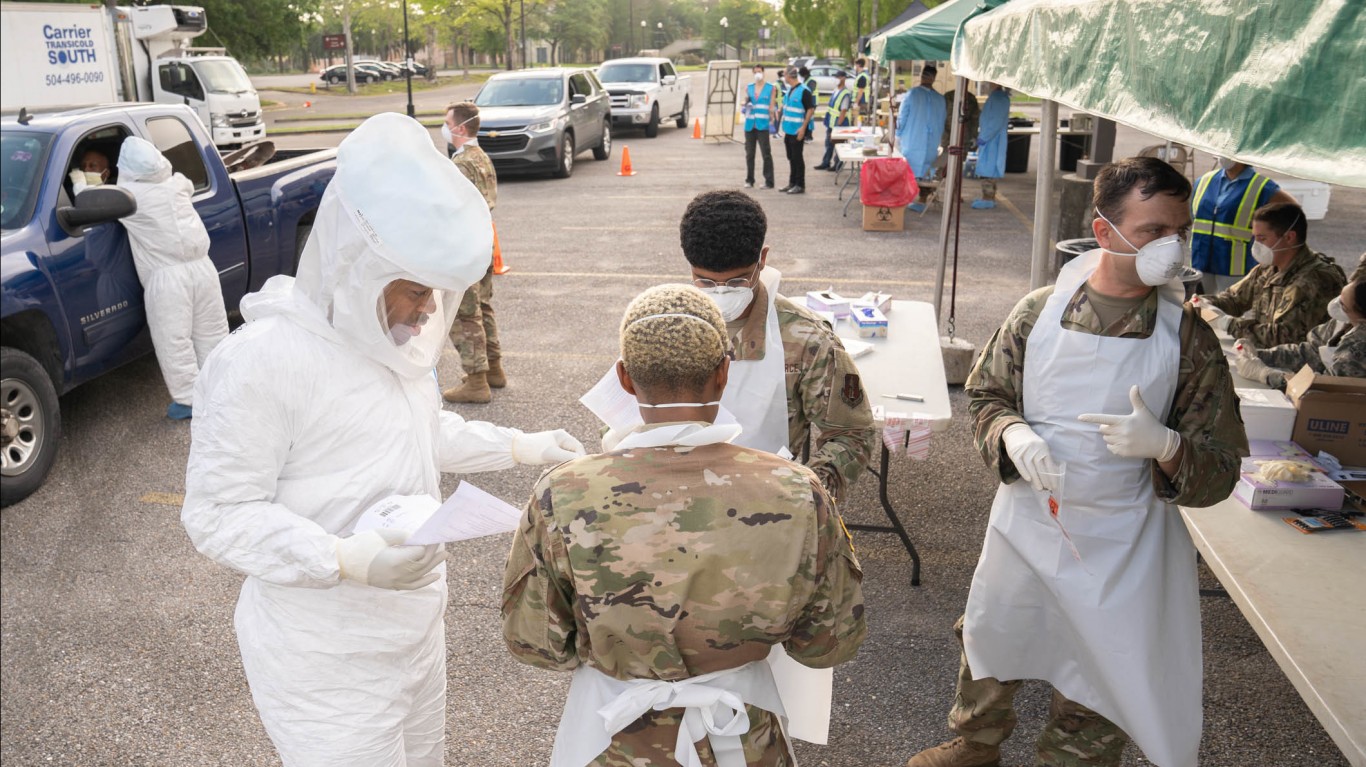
<point x="468" y="513"/>
<point x="620" y="411"/>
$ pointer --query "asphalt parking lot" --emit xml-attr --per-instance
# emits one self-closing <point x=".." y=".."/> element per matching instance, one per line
<point x="118" y="647"/>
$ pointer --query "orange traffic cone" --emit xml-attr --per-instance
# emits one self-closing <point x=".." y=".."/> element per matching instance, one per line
<point x="498" y="266"/>
<point x="308" y="104"/>
<point x="697" y="127"/>
<point x="626" y="162"/>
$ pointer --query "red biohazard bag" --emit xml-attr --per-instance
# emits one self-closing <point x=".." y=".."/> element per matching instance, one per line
<point x="887" y="182"/>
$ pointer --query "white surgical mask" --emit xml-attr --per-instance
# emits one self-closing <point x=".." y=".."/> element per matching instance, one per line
<point x="731" y="301"/>
<point x="1226" y="162"/>
<point x="679" y="404"/>
<point x="1265" y="254"/>
<point x="759" y="77"/>
<point x="1336" y="311"/>
<point x="446" y="134"/>
<point x="1159" y="261"/>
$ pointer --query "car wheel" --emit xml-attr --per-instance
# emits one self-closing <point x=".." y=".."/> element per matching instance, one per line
<point x="604" y="150"/>
<point x="683" y="116"/>
<point x="300" y="240"/>
<point x="566" y="166"/>
<point x="652" y="127"/>
<point x="30" y="424"/>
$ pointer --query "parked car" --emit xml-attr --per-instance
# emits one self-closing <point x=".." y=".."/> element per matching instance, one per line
<point x="73" y="306"/>
<point x="539" y="119"/>
<point x="418" y="70"/>
<point x="644" y="91"/>
<point x="826" y="80"/>
<point x="395" y="71"/>
<point x="373" y="66"/>
<point x="334" y="75"/>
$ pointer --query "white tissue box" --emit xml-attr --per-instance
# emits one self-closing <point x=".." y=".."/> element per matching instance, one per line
<point x="1267" y="413"/>
<point x="828" y="301"/>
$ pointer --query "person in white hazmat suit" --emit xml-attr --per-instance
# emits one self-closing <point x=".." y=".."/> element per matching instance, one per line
<point x="322" y="404"/>
<point x="180" y="289"/>
<point x="1102" y="403"/>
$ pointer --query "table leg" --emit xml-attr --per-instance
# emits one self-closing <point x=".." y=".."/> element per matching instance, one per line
<point x="896" y="526"/>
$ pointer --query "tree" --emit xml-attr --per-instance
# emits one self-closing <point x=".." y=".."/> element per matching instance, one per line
<point x="575" y="25"/>
<point x="824" y="24"/>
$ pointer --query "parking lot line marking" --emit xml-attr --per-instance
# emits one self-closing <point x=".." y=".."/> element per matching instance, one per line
<point x="1010" y="206"/>
<point x="164" y="499"/>
<point x="675" y="277"/>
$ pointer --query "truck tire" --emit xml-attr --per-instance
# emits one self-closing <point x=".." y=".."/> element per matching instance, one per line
<point x="31" y="425"/>
<point x="603" y="150"/>
<point x="682" y="121"/>
<point x="652" y="127"/>
<point x="566" y="164"/>
<point x="300" y="239"/>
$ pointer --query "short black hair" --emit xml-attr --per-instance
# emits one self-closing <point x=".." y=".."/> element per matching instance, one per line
<point x="861" y="61"/>
<point x="928" y="69"/>
<point x="1150" y="175"/>
<point x="723" y="230"/>
<point x="1359" y="296"/>
<point x="805" y="73"/>
<point x="758" y="68"/>
<point x="1283" y="217"/>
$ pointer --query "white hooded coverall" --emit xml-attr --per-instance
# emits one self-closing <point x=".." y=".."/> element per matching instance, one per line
<point x="180" y="287"/>
<point x="310" y="413"/>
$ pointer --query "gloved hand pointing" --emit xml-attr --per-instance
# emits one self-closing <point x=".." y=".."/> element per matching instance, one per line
<point x="545" y="447"/>
<point x="1030" y="455"/>
<point x="1137" y="435"/>
<point x="378" y="558"/>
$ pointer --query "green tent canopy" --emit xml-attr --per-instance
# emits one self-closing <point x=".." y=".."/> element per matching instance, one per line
<point x="1274" y="83"/>
<point x="929" y="36"/>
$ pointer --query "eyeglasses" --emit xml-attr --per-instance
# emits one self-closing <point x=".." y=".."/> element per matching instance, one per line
<point x="734" y="282"/>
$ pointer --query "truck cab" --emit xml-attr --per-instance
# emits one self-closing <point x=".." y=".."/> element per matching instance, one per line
<point x="645" y="90"/>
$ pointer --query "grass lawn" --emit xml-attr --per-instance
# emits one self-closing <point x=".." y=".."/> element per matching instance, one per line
<point x="385" y="88"/>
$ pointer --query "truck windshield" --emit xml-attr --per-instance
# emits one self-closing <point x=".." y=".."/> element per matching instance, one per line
<point x="627" y="73"/>
<point x="222" y="76"/>
<point x="521" y="92"/>
<point x="21" y="173"/>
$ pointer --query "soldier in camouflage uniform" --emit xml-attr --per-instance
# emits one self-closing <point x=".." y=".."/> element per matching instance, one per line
<point x="1335" y="348"/>
<point x="722" y="234"/>
<point x="1286" y="296"/>
<point x="475" y="332"/>
<point x="1203" y="412"/>
<point x="638" y="565"/>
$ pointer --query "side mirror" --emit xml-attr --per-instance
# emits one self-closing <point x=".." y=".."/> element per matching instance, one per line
<point x="578" y="98"/>
<point x="96" y="205"/>
<point x="668" y="80"/>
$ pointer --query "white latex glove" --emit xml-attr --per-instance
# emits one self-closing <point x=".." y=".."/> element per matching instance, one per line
<point x="1252" y="368"/>
<point x="1200" y="302"/>
<point x="378" y="558"/>
<point x="1244" y="347"/>
<point x="1030" y="455"/>
<point x="543" y="447"/>
<point x="1220" y="322"/>
<point x="77" y="178"/>
<point x="1138" y="434"/>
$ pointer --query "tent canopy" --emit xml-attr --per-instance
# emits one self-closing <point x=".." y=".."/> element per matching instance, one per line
<point x="1277" y="85"/>
<point x="927" y="36"/>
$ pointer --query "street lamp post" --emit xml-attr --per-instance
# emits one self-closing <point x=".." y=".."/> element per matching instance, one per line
<point x="725" y="24"/>
<point x="659" y="34"/>
<point x="643" y="26"/>
<point x="408" y="60"/>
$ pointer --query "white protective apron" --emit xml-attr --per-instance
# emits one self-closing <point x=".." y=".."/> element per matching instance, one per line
<point x="756" y="390"/>
<point x="599" y="706"/>
<point x="1119" y="631"/>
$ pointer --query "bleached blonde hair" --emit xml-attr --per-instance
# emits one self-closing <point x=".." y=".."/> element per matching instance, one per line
<point x="672" y="338"/>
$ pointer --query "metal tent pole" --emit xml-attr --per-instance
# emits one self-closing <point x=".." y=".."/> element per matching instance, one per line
<point x="1039" y="271"/>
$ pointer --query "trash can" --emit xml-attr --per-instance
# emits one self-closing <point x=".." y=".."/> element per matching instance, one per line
<point x="1072" y="148"/>
<point x="1070" y="249"/>
<point x="1017" y="153"/>
<point x="1191" y="278"/>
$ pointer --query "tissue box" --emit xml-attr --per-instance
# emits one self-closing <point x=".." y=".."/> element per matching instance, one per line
<point x="1319" y="492"/>
<point x="871" y="323"/>
<point x="828" y="301"/>
<point x="1267" y="414"/>
<point x="1264" y="449"/>
<point x="882" y="301"/>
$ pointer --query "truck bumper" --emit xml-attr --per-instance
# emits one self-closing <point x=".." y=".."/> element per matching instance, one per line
<point x="239" y="135"/>
<point x="630" y="116"/>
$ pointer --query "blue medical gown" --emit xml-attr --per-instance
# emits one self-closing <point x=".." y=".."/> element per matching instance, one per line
<point x="991" y="136"/>
<point x="919" y="126"/>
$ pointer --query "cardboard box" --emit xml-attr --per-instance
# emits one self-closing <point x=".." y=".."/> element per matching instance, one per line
<point x="828" y="301"/>
<point x="1331" y="415"/>
<point x="1267" y="414"/>
<point x="1258" y="494"/>
<point x="870" y="322"/>
<point x="877" y="219"/>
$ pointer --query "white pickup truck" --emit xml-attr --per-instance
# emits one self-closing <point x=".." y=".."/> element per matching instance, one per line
<point x="645" y="91"/>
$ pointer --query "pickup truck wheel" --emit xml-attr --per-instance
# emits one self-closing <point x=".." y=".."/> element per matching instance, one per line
<point x="604" y="150"/>
<point x="566" y="166"/>
<point x="30" y="424"/>
<point x="683" y="116"/>
<point x="652" y="127"/>
<point x="300" y="240"/>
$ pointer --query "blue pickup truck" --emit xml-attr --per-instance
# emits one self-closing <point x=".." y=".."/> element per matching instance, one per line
<point x="70" y="301"/>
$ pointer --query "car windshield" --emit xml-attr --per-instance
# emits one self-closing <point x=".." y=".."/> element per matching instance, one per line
<point x="521" y="92"/>
<point x="627" y="73"/>
<point x="21" y="173"/>
<point x="222" y="76"/>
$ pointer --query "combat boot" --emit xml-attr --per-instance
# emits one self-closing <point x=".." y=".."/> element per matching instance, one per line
<point x="958" y="753"/>
<point x="475" y="390"/>
<point x="497" y="378"/>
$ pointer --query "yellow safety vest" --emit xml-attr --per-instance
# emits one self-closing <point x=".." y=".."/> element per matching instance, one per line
<point x="1238" y="234"/>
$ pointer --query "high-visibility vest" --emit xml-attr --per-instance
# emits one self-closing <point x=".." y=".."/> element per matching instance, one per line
<point x="793" y="111"/>
<point x="839" y="101"/>
<point x="861" y="85"/>
<point x="758" y="117"/>
<point x="816" y="96"/>
<point x="1235" y="231"/>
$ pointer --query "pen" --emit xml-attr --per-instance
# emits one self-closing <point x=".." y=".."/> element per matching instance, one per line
<point x="907" y="397"/>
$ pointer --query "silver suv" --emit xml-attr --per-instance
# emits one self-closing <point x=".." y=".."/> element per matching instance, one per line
<point x="538" y="119"/>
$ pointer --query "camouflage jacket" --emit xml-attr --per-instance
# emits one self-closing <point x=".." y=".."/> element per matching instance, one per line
<point x="1349" y="357"/>
<point x="478" y="168"/>
<point x="1204" y="409"/>
<point x="1285" y="305"/>
<point x="641" y="564"/>
<point x="823" y="390"/>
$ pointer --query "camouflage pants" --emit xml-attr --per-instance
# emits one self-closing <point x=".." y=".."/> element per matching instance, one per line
<point x="988" y="189"/>
<point x="1075" y="736"/>
<point x="475" y="333"/>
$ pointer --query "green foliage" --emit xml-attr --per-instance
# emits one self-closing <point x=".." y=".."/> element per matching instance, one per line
<point x="826" y="24"/>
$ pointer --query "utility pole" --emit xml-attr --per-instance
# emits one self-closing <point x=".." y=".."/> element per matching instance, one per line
<point x="521" y="10"/>
<point x="346" y="28"/>
<point x="408" y="60"/>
